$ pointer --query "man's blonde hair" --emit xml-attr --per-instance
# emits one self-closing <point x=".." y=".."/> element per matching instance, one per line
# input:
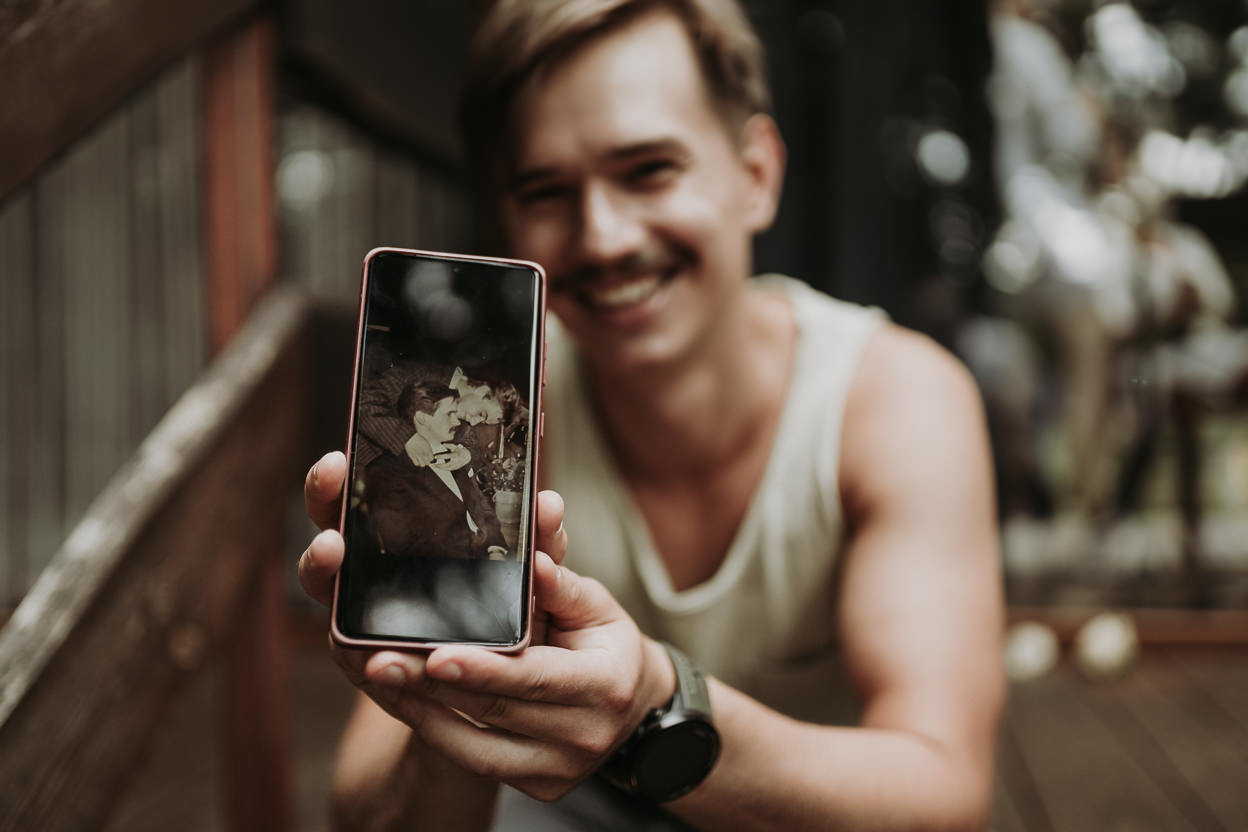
<point x="518" y="39"/>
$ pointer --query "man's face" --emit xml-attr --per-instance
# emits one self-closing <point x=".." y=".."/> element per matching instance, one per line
<point x="477" y="404"/>
<point x="626" y="186"/>
<point x="440" y="425"/>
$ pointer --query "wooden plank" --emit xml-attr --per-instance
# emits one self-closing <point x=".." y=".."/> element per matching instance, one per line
<point x="346" y="224"/>
<point x="45" y="451"/>
<point x="146" y="587"/>
<point x="168" y="332"/>
<point x="298" y="192"/>
<point x="68" y="64"/>
<point x="178" y="788"/>
<point x="14" y="276"/>
<point x="241" y="266"/>
<point x="1005" y="814"/>
<point x="178" y="785"/>
<point x="179" y="228"/>
<point x="1087" y="779"/>
<point x="374" y="197"/>
<point x="1017" y="802"/>
<point x="1223" y="676"/>
<point x="396" y="194"/>
<point x="255" y="703"/>
<point x="238" y="167"/>
<point x="1197" y="752"/>
<point x="98" y="272"/>
<point x="146" y="347"/>
<point x="17" y="380"/>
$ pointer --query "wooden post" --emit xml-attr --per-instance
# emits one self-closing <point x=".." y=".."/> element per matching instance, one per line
<point x="241" y="231"/>
<point x="241" y="236"/>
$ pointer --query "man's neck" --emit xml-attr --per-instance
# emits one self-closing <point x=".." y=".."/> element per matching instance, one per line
<point x="688" y="419"/>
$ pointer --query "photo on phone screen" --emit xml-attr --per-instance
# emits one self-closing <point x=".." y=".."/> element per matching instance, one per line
<point x="440" y="491"/>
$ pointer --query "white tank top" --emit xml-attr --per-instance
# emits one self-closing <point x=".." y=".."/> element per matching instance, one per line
<point x="765" y="622"/>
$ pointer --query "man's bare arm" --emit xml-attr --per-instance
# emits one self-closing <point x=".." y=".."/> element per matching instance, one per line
<point x="920" y="616"/>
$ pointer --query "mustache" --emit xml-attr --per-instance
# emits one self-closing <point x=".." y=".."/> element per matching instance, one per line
<point x="654" y="260"/>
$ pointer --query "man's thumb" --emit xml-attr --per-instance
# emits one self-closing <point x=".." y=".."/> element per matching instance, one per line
<point x="573" y="601"/>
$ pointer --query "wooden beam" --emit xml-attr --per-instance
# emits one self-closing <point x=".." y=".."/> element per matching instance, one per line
<point x="239" y="214"/>
<point x="241" y="254"/>
<point x="391" y="65"/>
<point x="69" y="63"/>
<point x="152" y="582"/>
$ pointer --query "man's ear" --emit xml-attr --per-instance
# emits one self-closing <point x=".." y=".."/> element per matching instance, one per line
<point x="763" y="154"/>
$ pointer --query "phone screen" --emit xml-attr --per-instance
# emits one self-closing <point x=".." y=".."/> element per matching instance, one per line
<point x="440" y="491"/>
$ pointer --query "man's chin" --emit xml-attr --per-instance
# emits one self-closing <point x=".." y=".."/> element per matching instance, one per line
<point x="639" y="353"/>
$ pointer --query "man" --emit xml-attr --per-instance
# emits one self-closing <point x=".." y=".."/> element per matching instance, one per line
<point x="434" y="509"/>
<point x="383" y="430"/>
<point x="794" y="493"/>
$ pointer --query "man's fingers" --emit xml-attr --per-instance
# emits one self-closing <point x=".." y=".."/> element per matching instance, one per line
<point x="573" y="602"/>
<point x="319" y="564"/>
<point x="487" y="752"/>
<point x="322" y="489"/>
<point x="575" y="725"/>
<point x="551" y="675"/>
<point x="552" y="538"/>
<point x="406" y="676"/>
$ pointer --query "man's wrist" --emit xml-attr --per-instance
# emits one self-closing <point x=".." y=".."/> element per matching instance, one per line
<point x="674" y="747"/>
<point x="662" y="676"/>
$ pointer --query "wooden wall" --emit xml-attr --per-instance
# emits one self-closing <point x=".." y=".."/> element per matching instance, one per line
<point x="101" y="302"/>
<point x="102" y="318"/>
<point x="369" y="195"/>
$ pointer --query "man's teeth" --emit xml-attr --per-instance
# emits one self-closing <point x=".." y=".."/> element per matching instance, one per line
<point x="624" y="294"/>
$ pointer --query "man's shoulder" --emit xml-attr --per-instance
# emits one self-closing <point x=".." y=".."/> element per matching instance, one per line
<point x="910" y="400"/>
<point x="900" y="363"/>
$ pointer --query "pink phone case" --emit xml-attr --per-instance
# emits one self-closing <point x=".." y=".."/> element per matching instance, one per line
<point x="386" y="644"/>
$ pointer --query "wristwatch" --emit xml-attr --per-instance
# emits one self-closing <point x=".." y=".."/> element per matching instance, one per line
<point x="675" y="747"/>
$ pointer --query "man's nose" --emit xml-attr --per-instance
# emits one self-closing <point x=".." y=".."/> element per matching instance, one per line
<point x="610" y="228"/>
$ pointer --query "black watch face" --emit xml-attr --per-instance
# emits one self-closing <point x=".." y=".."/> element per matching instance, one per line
<point x="673" y="760"/>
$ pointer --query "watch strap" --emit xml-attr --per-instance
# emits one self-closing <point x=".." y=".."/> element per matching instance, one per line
<point x="691" y="701"/>
<point x="691" y="692"/>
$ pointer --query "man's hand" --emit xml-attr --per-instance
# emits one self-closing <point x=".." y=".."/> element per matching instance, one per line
<point x="419" y="451"/>
<point x="546" y="718"/>
<point x="541" y="720"/>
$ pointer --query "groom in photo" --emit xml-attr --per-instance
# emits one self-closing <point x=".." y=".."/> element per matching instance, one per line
<point x="436" y="509"/>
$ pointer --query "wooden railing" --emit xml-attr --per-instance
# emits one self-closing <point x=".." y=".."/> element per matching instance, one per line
<point x="165" y="576"/>
<point x="68" y="64"/>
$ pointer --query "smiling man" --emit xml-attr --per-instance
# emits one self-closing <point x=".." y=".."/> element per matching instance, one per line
<point x="779" y="606"/>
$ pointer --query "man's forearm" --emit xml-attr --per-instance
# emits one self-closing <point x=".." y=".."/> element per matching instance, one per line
<point x="778" y="773"/>
<point x="386" y="779"/>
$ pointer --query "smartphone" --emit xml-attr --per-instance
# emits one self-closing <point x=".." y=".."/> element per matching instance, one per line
<point x="439" y="511"/>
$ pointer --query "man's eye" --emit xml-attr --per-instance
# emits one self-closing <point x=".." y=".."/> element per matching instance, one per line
<point x="543" y="193"/>
<point x="654" y="171"/>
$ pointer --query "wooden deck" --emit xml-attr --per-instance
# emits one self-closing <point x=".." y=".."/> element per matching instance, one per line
<point x="1165" y="748"/>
